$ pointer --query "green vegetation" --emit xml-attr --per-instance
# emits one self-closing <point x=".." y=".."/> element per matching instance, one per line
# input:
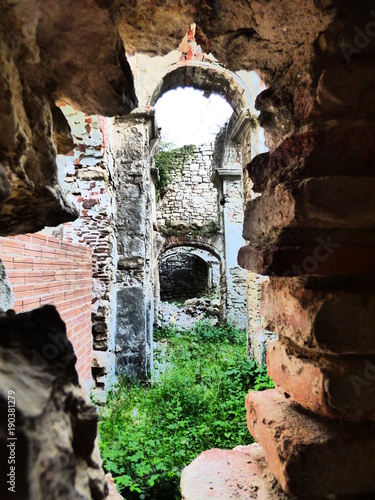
<point x="167" y="160"/>
<point x="150" y="431"/>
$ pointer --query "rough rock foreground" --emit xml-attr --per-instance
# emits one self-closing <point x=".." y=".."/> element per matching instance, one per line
<point x="55" y="427"/>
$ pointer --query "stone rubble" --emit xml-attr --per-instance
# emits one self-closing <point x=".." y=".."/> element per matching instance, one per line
<point x="190" y="312"/>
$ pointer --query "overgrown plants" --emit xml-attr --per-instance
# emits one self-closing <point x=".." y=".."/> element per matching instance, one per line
<point x="150" y="431"/>
<point x="167" y="160"/>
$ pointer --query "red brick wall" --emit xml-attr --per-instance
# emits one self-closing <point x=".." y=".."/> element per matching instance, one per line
<point x="45" y="270"/>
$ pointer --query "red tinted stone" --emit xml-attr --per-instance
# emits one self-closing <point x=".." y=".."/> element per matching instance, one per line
<point x="310" y="455"/>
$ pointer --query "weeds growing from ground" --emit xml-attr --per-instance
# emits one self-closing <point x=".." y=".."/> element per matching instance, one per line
<point x="150" y="431"/>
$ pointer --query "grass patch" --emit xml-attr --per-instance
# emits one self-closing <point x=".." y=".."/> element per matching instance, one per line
<point x="150" y="431"/>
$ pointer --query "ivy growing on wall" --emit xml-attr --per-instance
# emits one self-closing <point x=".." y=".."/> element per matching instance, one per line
<point x="168" y="159"/>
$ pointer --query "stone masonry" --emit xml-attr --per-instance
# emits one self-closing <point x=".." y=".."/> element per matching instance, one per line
<point x="201" y="204"/>
<point x="133" y="144"/>
<point x="183" y="276"/>
<point x="191" y="199"/>
<point x="311" y="232"/>
<point x="87" y="178"/>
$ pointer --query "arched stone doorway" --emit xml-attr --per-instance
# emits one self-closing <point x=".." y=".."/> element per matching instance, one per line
<point x="139" y="234"/>
<point x="183" y="275"/>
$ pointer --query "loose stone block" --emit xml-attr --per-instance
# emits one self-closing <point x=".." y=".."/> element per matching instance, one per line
<point x="327" y="385"/>
<point x="333" y="321"/>
<point x="308" y="204"/>
<point x="296" y="261"/>
<point x="99" y="359"/>
<point x="222" y="474"/>
<point x="317" y="153"/>
<point x="309" y="455"/>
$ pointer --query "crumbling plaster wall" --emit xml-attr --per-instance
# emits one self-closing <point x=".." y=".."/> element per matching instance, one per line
<point x="87" y="177"/>
<point x="108" y="178"/>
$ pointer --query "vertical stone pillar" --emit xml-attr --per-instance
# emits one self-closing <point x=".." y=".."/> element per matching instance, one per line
<point x="6" y="295"/>
<point x="134" y="214"/>
<point x="312" y="232"/>
<point x="243" y="130"/>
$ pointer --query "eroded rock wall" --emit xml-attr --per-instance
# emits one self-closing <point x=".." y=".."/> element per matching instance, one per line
<point x="51" y="51"/>
<point x="53" y="434"/>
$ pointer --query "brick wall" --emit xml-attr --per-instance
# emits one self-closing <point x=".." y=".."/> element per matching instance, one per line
<point x="45" y="270"/>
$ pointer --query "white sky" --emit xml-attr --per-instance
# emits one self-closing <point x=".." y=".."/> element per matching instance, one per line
<point x="187" y="117"/>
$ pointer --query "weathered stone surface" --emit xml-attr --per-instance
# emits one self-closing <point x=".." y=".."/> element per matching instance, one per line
<point x="74" y="76"/>
<point x="331" y="151"/>
<point x="308" y="204"/>
<point x="183" y="275"/>
<point x="141" y="24"/>
<point x="55" y="426"/>
<point x="113" y="493"/>
<point x="131" y="332"/>
<point x="53" y="53"/>
<point x="240" y="473"/>
<point x="202" y="75"/>
<point x="327" y="385"/>
<point x="344" y="89"/>
<point x="309" y="455"/>
<point x="126" y="263"/>
<point x="61" y="131"/>
<point x="99" y="359"/>
<point x="33" y="197"/>
<point x="6" y="296"/>
<point x="332" y="321"/>
<point x="191" y="177"/>
<point x="327" y="258"/>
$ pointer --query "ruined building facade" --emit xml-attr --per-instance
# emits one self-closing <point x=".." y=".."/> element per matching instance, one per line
<point x="308" y="223"/>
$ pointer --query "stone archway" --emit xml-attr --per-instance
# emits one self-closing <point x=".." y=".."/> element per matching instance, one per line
<point x="207" y="252"/>
<point x="186" y="274"/>
<point x="206" y="76"/>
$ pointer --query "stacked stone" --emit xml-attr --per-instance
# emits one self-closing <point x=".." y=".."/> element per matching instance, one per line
<point x="191" y="200"/>
<point x="88" y="183"/>
<point x="312" y="233"/>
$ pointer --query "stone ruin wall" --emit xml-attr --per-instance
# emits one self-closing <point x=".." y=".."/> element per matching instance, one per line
<point x="108" y="179"/>
<point x="191" y="204"/>
<point x="87" y="178"/>
<point x="191" y="198"/>
<point x="236" y="299"/>
<point x="183" y="276"/>
<point x="133" y="141"/>
<point x="319" y="97"/>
